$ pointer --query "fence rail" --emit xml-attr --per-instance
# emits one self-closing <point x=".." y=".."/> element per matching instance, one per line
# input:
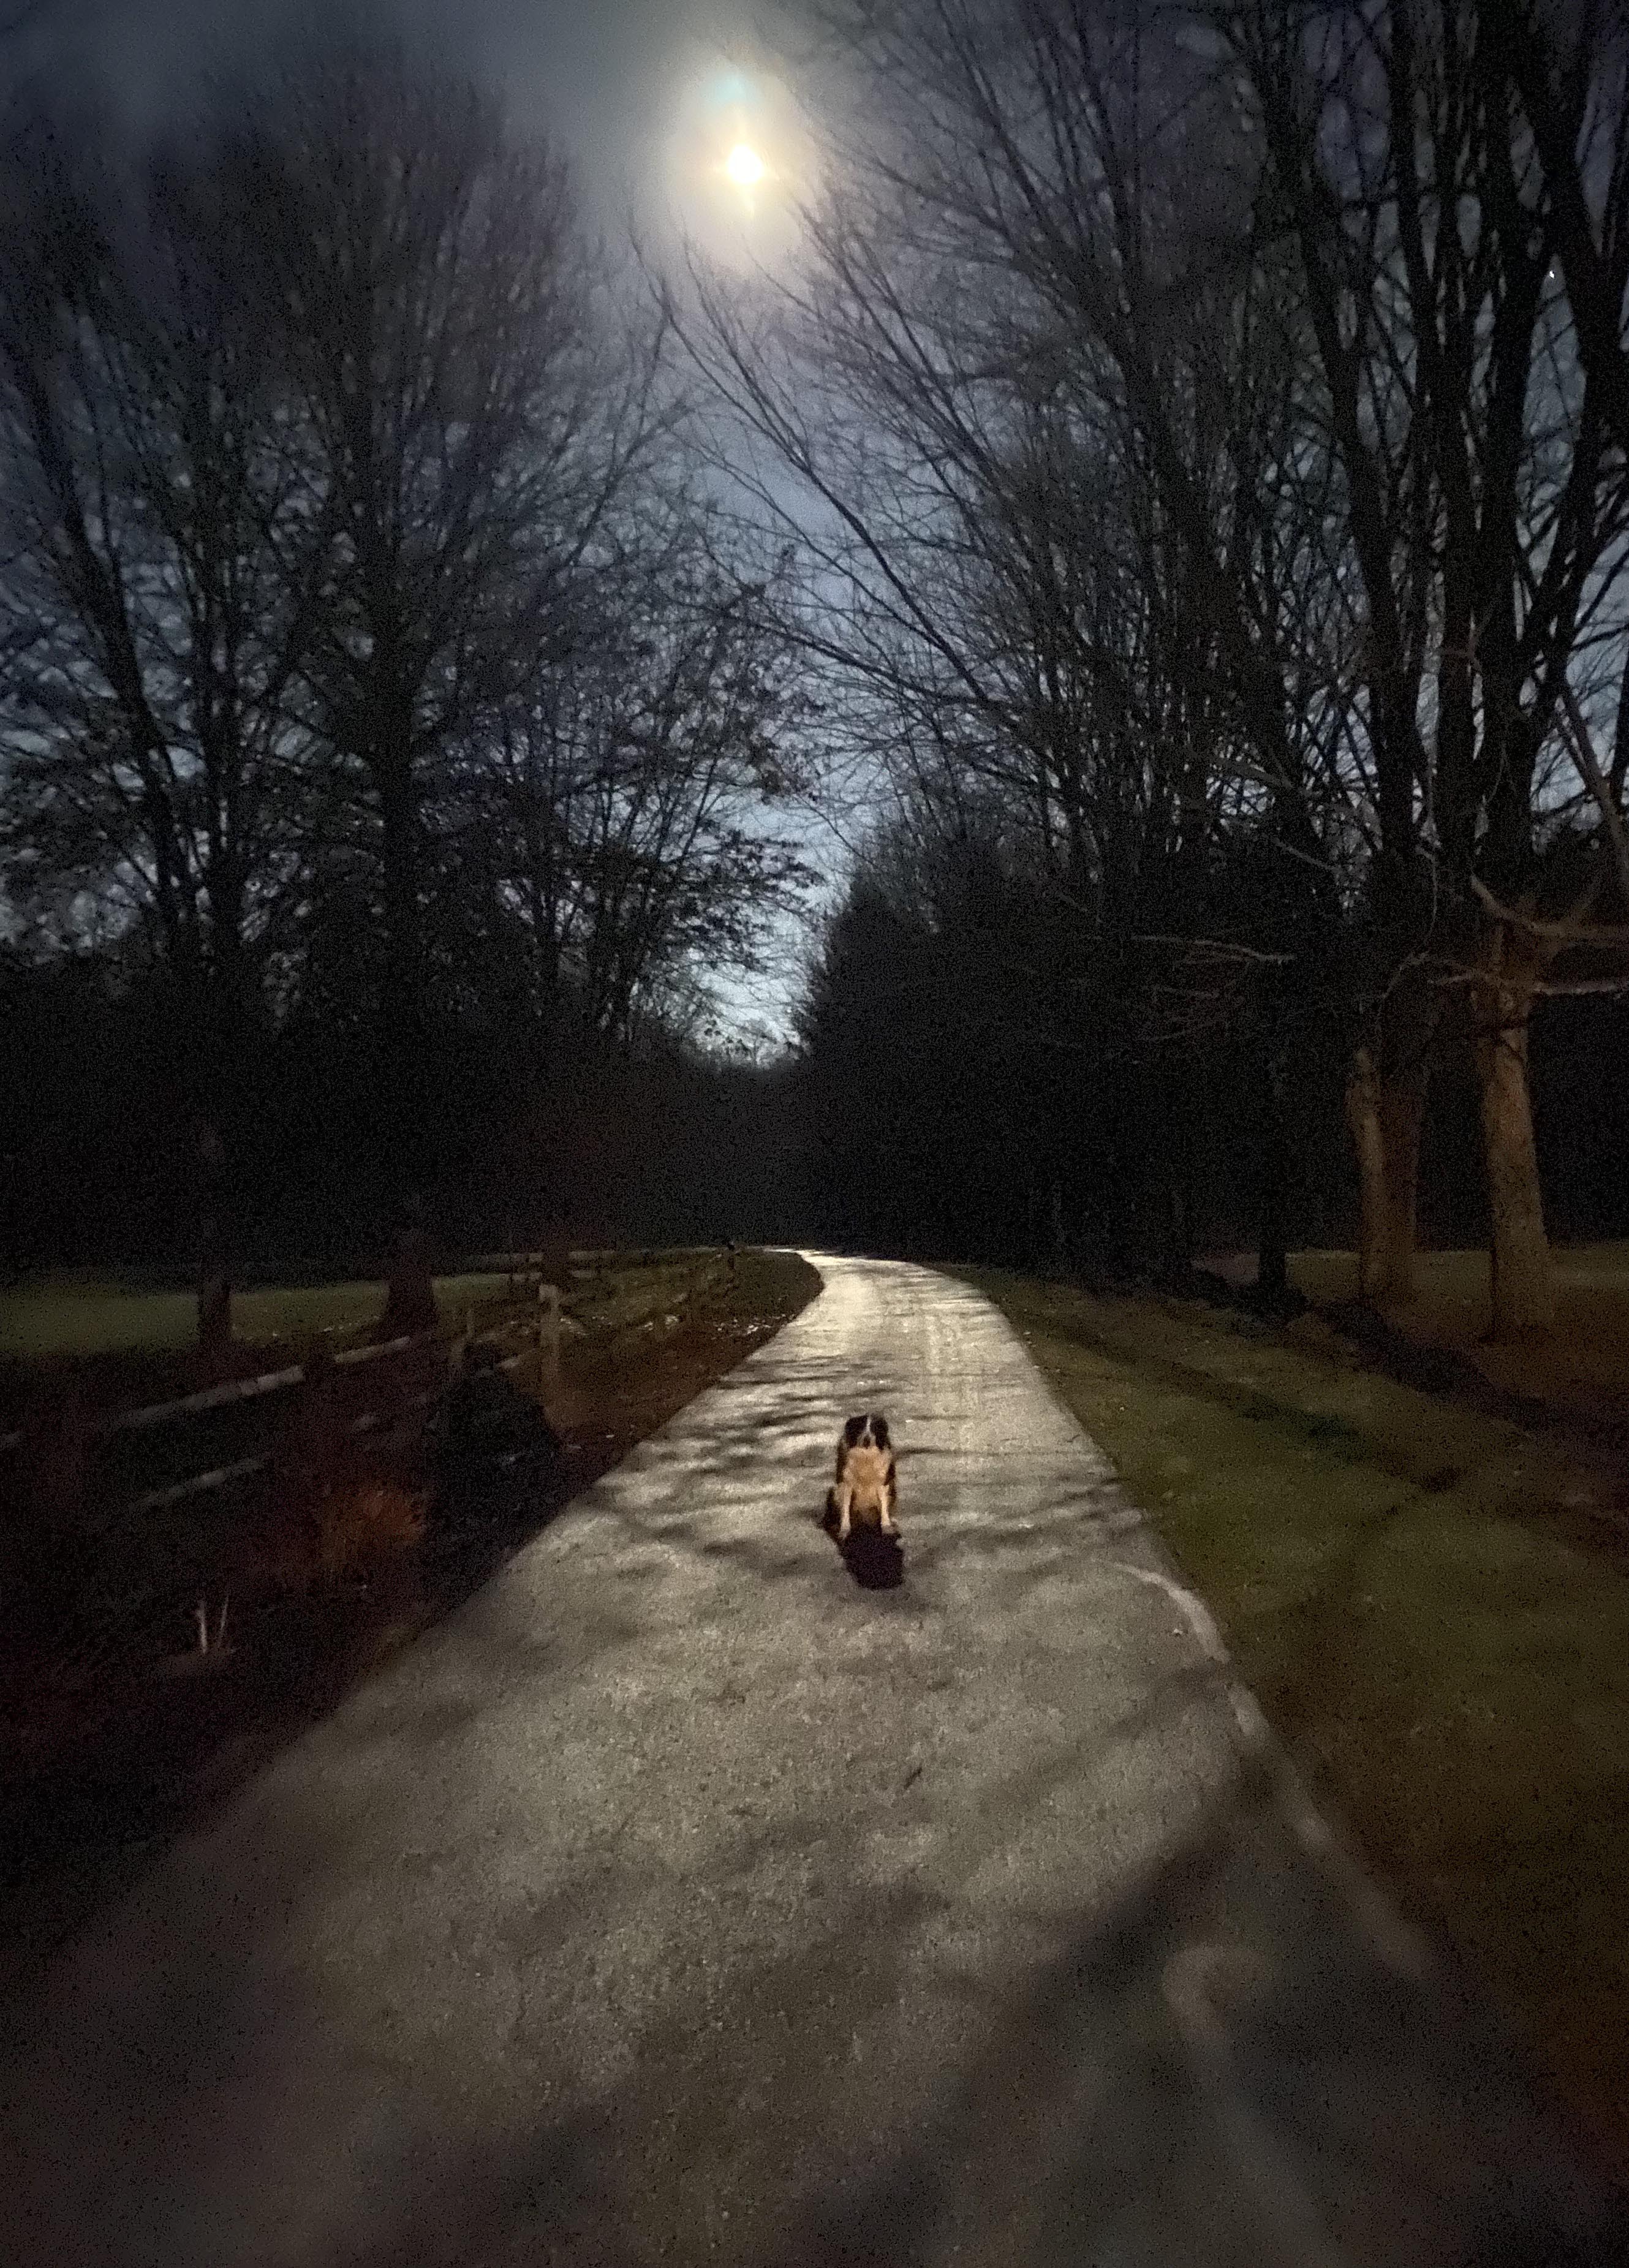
<point x="510" y="1312"/>
<point x="222" y="1396"/>
<point x="246" y="1468"/>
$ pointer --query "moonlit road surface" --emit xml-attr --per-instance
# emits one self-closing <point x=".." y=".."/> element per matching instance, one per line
<point x="681" y="1898"/>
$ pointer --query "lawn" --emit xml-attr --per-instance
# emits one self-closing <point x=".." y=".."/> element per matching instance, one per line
<point x="1584" y="1367"/>
<point x="80" y="1315"/>
<point x="1404" y="1585"/>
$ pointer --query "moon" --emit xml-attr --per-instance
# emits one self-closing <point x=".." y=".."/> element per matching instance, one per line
<point x="739" y="162"/>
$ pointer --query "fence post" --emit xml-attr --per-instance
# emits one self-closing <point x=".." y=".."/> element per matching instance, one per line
<point x="305" y="1464"/>
<point x="215" y="1257"/>
<point x="54" y="1452"/>
<point x="214" y="1316"/>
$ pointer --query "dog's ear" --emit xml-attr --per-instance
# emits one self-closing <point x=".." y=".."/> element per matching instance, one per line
<point x="852" y="1430"/>
<point x="880" y="1432"/>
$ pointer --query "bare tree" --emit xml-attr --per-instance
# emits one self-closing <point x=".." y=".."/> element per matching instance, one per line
<point x="446" y="336"/>
<point x="619" y="795"/>
<point x="165" y="556"/>
<point x="1570" y="72"/>
<point x="1347" y="378"/>
<point x="1055" y="491"/>
<point x="1485" y="521"/>
<point x="372" y="667"/>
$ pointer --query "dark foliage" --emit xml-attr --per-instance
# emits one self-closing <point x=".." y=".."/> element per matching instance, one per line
<point x="973" y="1086"/>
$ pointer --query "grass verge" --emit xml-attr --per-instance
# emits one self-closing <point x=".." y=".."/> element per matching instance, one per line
<point x="1404" y="1588"/>
<point x="1581" y="1368"/>
<point x="95" y="1315"/>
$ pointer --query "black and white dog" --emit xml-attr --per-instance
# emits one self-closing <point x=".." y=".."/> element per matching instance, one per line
<point x="865" y="1481"/>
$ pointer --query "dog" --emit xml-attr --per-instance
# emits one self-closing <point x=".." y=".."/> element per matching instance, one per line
<point x="865" y="1480"/>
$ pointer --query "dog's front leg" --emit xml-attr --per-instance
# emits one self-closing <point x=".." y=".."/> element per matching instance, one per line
<point x="845" y="1505"/>
<point x="890" y="1498"/>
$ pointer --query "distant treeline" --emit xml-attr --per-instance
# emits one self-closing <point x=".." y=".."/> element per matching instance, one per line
<point x="531" y="1132"/>
<point x="937" y="1115"/>
<point x="923" y="1115"/>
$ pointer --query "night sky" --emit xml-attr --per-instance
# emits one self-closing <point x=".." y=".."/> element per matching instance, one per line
<point x="629" y="88"/>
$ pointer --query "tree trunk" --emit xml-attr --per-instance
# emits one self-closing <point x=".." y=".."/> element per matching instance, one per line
<point x="1385" y="1116"/>
<point x="215" y="1257"/>
<point x="1368" y="1148"/>
<point x="403" y="960"/>
<point x="1272" y="1259"/>
<point x="1522" y="1285"/>
<point x="410" y="1301"/>
<point x="1401" y="1120"/>
<point x="1177" y="1190"/>
<point x="1179" y="1224"/>
<point x="214" y="1306"/>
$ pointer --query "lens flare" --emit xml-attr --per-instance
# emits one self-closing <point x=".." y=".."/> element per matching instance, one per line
<point x="744" y="167"/>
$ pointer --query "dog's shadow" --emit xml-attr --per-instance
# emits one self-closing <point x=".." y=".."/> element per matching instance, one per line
<point x="876" y="1562"/>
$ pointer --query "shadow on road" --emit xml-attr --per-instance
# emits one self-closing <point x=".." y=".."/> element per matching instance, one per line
<point x="1192" y="2080"/>
<point x="876" y="1562"/>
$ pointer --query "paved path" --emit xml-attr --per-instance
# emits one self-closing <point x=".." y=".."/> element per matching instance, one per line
<point x="680" y="1899"/>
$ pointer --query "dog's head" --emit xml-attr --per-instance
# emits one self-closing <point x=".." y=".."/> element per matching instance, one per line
<point x="867" y="1432"/>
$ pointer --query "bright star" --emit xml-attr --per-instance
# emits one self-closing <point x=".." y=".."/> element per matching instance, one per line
<point x="744" y="167"/>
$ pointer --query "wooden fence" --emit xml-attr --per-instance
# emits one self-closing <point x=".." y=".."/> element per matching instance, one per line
<point x="530" y="1307"/>
<point x="143" y="1508"/>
